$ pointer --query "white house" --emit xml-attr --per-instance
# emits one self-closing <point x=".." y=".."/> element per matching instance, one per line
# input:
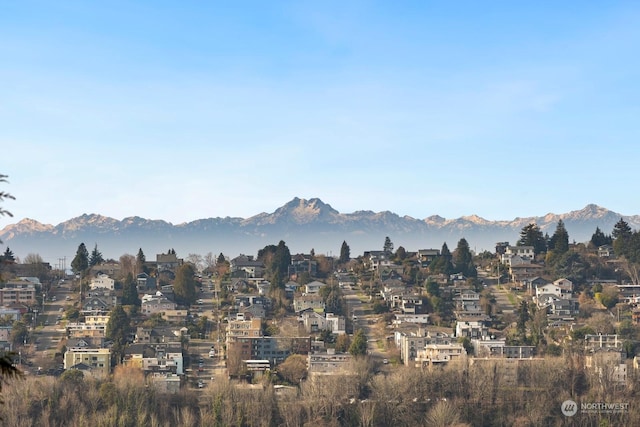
<point x="313" y="287"/>
<point x="102" y="281"/>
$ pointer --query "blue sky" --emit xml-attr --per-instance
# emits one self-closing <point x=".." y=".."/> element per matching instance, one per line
<point x="188" y="110"/>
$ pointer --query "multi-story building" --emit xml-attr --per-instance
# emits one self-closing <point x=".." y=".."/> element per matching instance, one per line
<point x="88" y="356"/>
<point x="273" y="349"/>
<point x="440" y="354"/>
<point x="18" y="292"/>
<point x="244" y="328"/>
<point x="156" y="357"/>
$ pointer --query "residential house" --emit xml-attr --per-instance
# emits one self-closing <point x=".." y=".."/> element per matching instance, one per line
<point x="174" y="316"/>
<point x="313" y="287"/>
<point x="94" y="325"/>
<point x="96" y="304"/>
<point x="263" y="287"/>
<point x="272" y="349"/>
<point x="563" y="308"/>
<point x="608" y="364"/>
<point x="145" y="283"/>
<point x="518" y="351"/>
<point x="89" y="355"/>
<point x="346" y="280"/>
<point x="109" y="268"/>
<point x="168" y="262"/>
<point x="413" y="304"/>
<point x="301" y="263"/>
<point x="313" y="322"/>
<point x="303" y="302"/>
<point x="257" y="311"/>
<point x="457" y="279"/>
<point x="392" y="295"/>
<point x="83" y="330"/>
<point x="244" y="328"/>
<point x="290" y="288"/>
<point x="440" y="354"/>
<point x="410" y="344"/>
<point x="420" y="319"/>
<point x="5" y="338"/>
<point x="159" y="335"/>
<point x="472" y="329"/>
<point x="156" y="303"/>
<point x="329" y="363"/>
<point x="605" y="251"/>
<point x="243" y="301"/>
<point x="600" y="341"/>
<point x="158" y="357"/>
<point x="108" y="298"/>
<point x="376" y="260"/>
<point x="164" y="382"/>
<point x="12" y="314"/>
<point x="553" y="289"/>
<point x="523" y="273"/>
<point x="426" y="256"/>
<point x="248" y="265"/>
<point x="524" y="252"/>
<point x="629" y="293"/>
<point x="102" y="281"/>
<point x="488" y="346"/>
<point x="316" y="322"/>
<point x="501" y="248"/>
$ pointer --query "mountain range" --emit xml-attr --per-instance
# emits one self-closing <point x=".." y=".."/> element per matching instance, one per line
<point x="302" y="224"/>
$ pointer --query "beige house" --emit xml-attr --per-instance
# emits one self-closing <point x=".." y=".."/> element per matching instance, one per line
<point x="91" y="359"/>
<point x="18" y="292"/>
<point x="102" y="281"/>
<point x="440" y="354"/>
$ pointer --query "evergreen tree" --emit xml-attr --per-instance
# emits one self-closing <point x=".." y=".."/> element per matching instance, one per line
<point x="130" y="292"/>
<point x="531" y="235"/>
<point x="141" y="260"/>
<point x="8" y="256"/>
<point x="280" y="263"/>
<point x="388" y="246"/>
<point x="559" y="242"/>
<point x="80" y="262"/>
<point x="358" y="345"/>
<point x="184" y="285"/>
<point x="117" y="331"/>
<point x="345" y="253"/>
<point x="600" y="239"/>
<point x="442" y="264"/>
<point x="96" y="257"/>
<point x="621" y="229"/>
<point x="523" y="317"/>
<point x="463" y="259"/>
<point x="622" y="234"/>
<point x="221" y="259"/>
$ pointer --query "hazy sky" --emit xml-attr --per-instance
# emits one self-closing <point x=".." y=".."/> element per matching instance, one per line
<point x="181" y="110"/>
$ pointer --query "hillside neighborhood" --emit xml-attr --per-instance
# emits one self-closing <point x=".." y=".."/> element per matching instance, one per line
<point x="198" y="324"/>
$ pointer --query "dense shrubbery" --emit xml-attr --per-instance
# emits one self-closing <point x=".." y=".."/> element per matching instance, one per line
<point x="486" y="393"/>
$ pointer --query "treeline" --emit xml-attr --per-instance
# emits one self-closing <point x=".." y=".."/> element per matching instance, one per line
<point x="485" y="393"/>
